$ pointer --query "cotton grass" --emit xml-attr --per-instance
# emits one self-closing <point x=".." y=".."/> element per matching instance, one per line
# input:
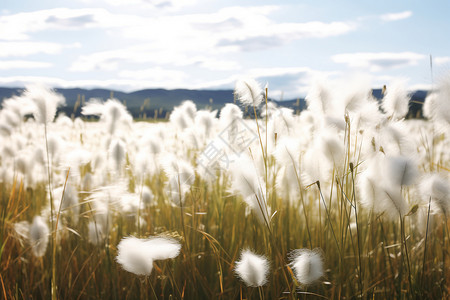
<point x="253" y="269"/>
<point x="307" y="265"/>
<point x="366" y="185"/>
<point x="137" y="255"/>
<point x="39" y="236"/>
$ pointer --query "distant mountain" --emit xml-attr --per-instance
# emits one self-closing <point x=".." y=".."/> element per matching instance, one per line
<point x="145" y="102"/>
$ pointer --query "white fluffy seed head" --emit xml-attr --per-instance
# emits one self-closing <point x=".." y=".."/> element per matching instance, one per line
<point x="396" y="100"/>
<point x="229" y="114"/>
<point x="401" y="170"/>
<point x="161" y="248"/>
<point x="245" y="178"/>
<point x="392" y="202"/>
<point x="179" y="119"/>
<point x="95" y="233"/>
<point x="247" y="182"/>
<point x="436" y="188"/>
<point x="307" y="265"/>
<point x="332" y="148"/>
<point x="181" y="176"/>
<point x="252" y="269"/>
<point x="153" y="143"/>
<point x="319" y="99"/>
<point x="437" y="104"/>
<point x="287" y="152"/>
<point x="190" y="109"/>
<point x="249" y="92"/>
<point x="45" y="100"/>
<point x="380" y="186"/>
<point x="133" y="256"/>
<point x="179" y="170"/>
<point x="430" y="106"/>
<point x="39" y="236"/>
<point x="117" y="152"/>
<point x="369" y="191"/>
<point x="137" y="255"/>
<point x="147" y="196"/>
<point x="205" y="120"/>
<point x="112" y="112"/>
<point x="55" y="143"/>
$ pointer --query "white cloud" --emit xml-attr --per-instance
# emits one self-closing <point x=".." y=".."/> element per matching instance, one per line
<point x="150" y="53"/>
<point x="8" y="49"/>
<point x="378" y="61"/>
<point x="155" y="75"/>
<point x="396" y="16"/>
<point x="204" y="39"/>
<point x="19" y="26"/>
<point x="154" y="4"/>
<point x="441" y="60"/>
<point x="23" y="64"/>
<point x="274" y="35"/>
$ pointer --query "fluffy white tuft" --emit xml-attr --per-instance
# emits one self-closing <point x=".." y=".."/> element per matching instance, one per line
<point x="401" y="170"/>
<point x="247" y="182"/>
<point x="205" y="120"/>
<point x="95" y="233"/>
<point x="181" y="176"/>
<point x="307" y="265"/>
<point x="437" y="104"/>
<point x="252" y="269"/>
<point x="230" y="113"/>
<point x="183" y="116"/>
<point x="137" y="255"/>
<point x="45" y="100"/>
<point x="147" y="196"/>
<point x="437" y="189"/>
<point x="117" y="152"/>
<point x="319" y="99"/>
<point x="396" y="100"/>
<point x="134" y="257"/>
<point x="381" y="190"/>
<point x="39" y="233"/>
<point x="111" y="112"/>
<point x="162" y="247"/>
<point x="249" y="92"/>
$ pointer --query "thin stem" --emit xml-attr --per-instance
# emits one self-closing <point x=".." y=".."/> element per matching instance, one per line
<point x="301" y="198"/>
<point x="52" y="242"/>
<point x="182" y="213"/>
<point x="426" y="239"/>
<point x="266" y="160"/>
<point x="259" y="135"/>
<point x="402" y="228"/>
<point x="357" y="232"/>
<point x="329" y="218"/>
<point x="261" y="294"/>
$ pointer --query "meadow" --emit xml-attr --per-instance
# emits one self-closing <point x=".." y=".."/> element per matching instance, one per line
<point x="344" y="200"/>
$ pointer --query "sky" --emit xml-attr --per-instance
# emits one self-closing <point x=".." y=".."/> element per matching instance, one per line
<point x="130" y="45"/>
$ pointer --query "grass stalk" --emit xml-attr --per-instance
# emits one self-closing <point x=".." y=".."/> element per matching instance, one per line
<point x="329" y="219"/>
<point x="425" y="246"/>
<point x="52" y="241"/>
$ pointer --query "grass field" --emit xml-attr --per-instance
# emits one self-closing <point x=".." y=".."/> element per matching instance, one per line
<point x="367" y="191"/>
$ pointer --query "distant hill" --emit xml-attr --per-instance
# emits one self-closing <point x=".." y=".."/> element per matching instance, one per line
<point x="145" y="102"/>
